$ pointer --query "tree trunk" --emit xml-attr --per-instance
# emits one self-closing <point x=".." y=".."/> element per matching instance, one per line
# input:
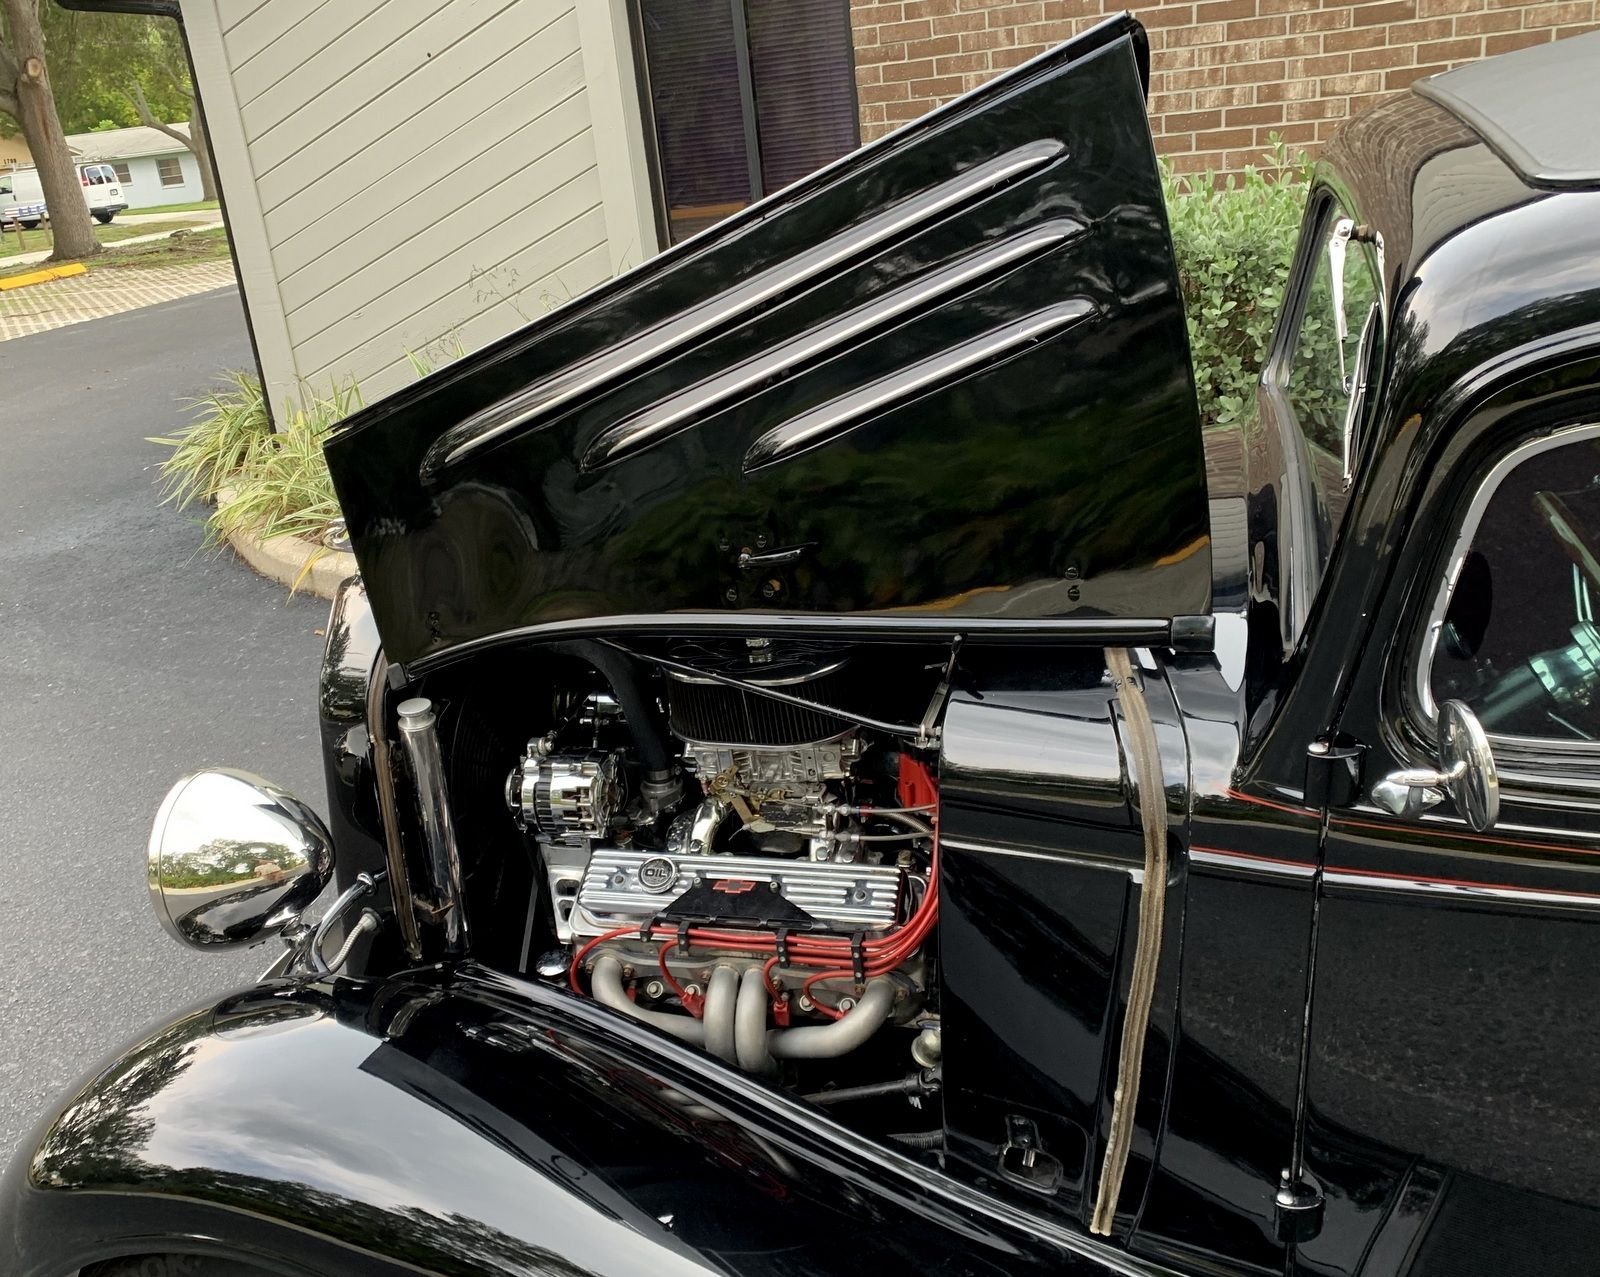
<point x="200" y="144"/>
<point x="198" y="140"/>
<point x="31" y="103"/>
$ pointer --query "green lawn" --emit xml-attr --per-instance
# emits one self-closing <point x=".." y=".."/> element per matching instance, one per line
<point x="196" y="207"/>
<point x="14" y="241"/>
<point x="207" y="245"/>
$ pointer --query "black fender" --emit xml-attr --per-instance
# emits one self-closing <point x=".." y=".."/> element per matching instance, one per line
<point x="462" y="1122"/>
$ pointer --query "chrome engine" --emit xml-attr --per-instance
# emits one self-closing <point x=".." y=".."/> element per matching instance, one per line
<point x="775" y="839"/>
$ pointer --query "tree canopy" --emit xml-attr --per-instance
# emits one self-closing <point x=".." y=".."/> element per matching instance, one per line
<point x="100" y="63"/>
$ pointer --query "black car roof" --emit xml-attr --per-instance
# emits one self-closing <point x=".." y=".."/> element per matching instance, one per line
<point x="1491" y="273"/>
<point x="1537" y="108"/>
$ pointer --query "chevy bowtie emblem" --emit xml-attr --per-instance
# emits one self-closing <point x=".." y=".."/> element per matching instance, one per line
<point x="733" y="886"/>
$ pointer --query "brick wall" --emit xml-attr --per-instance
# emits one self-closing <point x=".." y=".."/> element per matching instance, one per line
<point x="1225" y="74"/>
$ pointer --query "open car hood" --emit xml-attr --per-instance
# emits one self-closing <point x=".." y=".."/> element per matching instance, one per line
<point x="942" y="385"/>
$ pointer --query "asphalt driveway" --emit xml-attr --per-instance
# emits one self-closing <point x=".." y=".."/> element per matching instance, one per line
<point x="127" y="657"/>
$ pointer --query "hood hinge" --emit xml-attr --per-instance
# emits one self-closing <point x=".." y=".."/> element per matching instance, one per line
<point x="1298" y="1207"/>
<point x="1333" y="772"/>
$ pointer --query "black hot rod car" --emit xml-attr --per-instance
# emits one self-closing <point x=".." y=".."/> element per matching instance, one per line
<point x="832" y="770"/>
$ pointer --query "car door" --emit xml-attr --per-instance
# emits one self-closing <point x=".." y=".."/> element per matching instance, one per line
<point x="1453" y="1089"/>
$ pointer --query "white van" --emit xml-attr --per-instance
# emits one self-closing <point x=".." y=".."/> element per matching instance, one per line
<point x="22" y="197"/>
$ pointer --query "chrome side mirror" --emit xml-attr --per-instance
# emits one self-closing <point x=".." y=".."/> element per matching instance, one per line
<point x="234" y="860"/>
<point x="1466" y="774"/>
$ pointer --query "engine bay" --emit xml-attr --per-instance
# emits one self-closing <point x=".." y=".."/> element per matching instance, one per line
<point x="728" y="844"/>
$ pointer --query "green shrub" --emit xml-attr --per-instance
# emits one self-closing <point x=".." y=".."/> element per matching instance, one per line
<point x="283" y="485"/>
<point x="274" y="482"/>
<point x="207" y="455"/>
<point x="1234" y="244"/>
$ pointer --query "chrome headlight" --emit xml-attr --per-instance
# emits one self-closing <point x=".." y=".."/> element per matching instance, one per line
<point x="233" y="859"/>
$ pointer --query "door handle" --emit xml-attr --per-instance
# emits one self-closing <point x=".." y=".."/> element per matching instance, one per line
<point x="771" y="558"/>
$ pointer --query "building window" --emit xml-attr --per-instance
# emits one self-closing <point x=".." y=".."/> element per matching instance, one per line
<point x="170" y="170"/>
<point x="742" y="97"/>
<point x="123" y="175"/>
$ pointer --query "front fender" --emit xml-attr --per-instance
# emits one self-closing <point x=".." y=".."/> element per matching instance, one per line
<point x="462" y="1123"/>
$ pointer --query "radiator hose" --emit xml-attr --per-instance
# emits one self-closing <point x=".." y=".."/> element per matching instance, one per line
<point x="621" y="673"/>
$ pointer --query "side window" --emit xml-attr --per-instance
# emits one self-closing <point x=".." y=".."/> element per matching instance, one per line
<point x="95" y="174"/>
<point x="1516" y="639"/>
<point x="1322" y="370"/>
<point x="5" y="186"/>
<point x="124" y="174"/>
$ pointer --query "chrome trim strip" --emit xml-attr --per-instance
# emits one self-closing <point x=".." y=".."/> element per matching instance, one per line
<point x="1240" y="861"/>
<point x="678" y="411"/>
<point x="1134" y="871"/>
<point x="526" y="406"/>
<point x="682" y="674"/>
<point x="813" y="427"/>
<point x="1462" y="890"/>
<point x="1458" y="557"/>
<point x="1088" y="631"/>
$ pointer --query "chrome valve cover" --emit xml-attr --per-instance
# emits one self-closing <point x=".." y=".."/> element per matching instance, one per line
<point x="623" y="887"/>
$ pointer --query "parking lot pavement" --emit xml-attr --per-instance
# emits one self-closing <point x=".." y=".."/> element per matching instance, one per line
<point x="130" y="657"/>
<point x="42" y="307"/>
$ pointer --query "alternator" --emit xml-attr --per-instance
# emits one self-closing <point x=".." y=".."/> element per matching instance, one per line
<point x="566" y="797"/>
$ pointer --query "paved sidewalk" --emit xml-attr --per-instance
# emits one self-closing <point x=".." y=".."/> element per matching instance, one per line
<point x="210" y="216"/>
<point x="103" y="292"/>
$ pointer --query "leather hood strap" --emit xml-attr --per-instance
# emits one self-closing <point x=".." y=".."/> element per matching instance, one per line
<point x="1146" y="760"/>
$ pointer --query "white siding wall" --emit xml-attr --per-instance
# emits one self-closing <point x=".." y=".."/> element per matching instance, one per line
<point x="413" y="176"/>
<point x="146" y="191"/>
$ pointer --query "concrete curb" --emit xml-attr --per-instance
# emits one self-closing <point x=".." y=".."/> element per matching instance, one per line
<point x="283" y="559"/>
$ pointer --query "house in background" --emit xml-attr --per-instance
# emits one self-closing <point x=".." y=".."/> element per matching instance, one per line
<point x="152" y="168"/>
<point x="426" y="176"/>
<point x="14" y="152"/>
<point x="419" y="176"/>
